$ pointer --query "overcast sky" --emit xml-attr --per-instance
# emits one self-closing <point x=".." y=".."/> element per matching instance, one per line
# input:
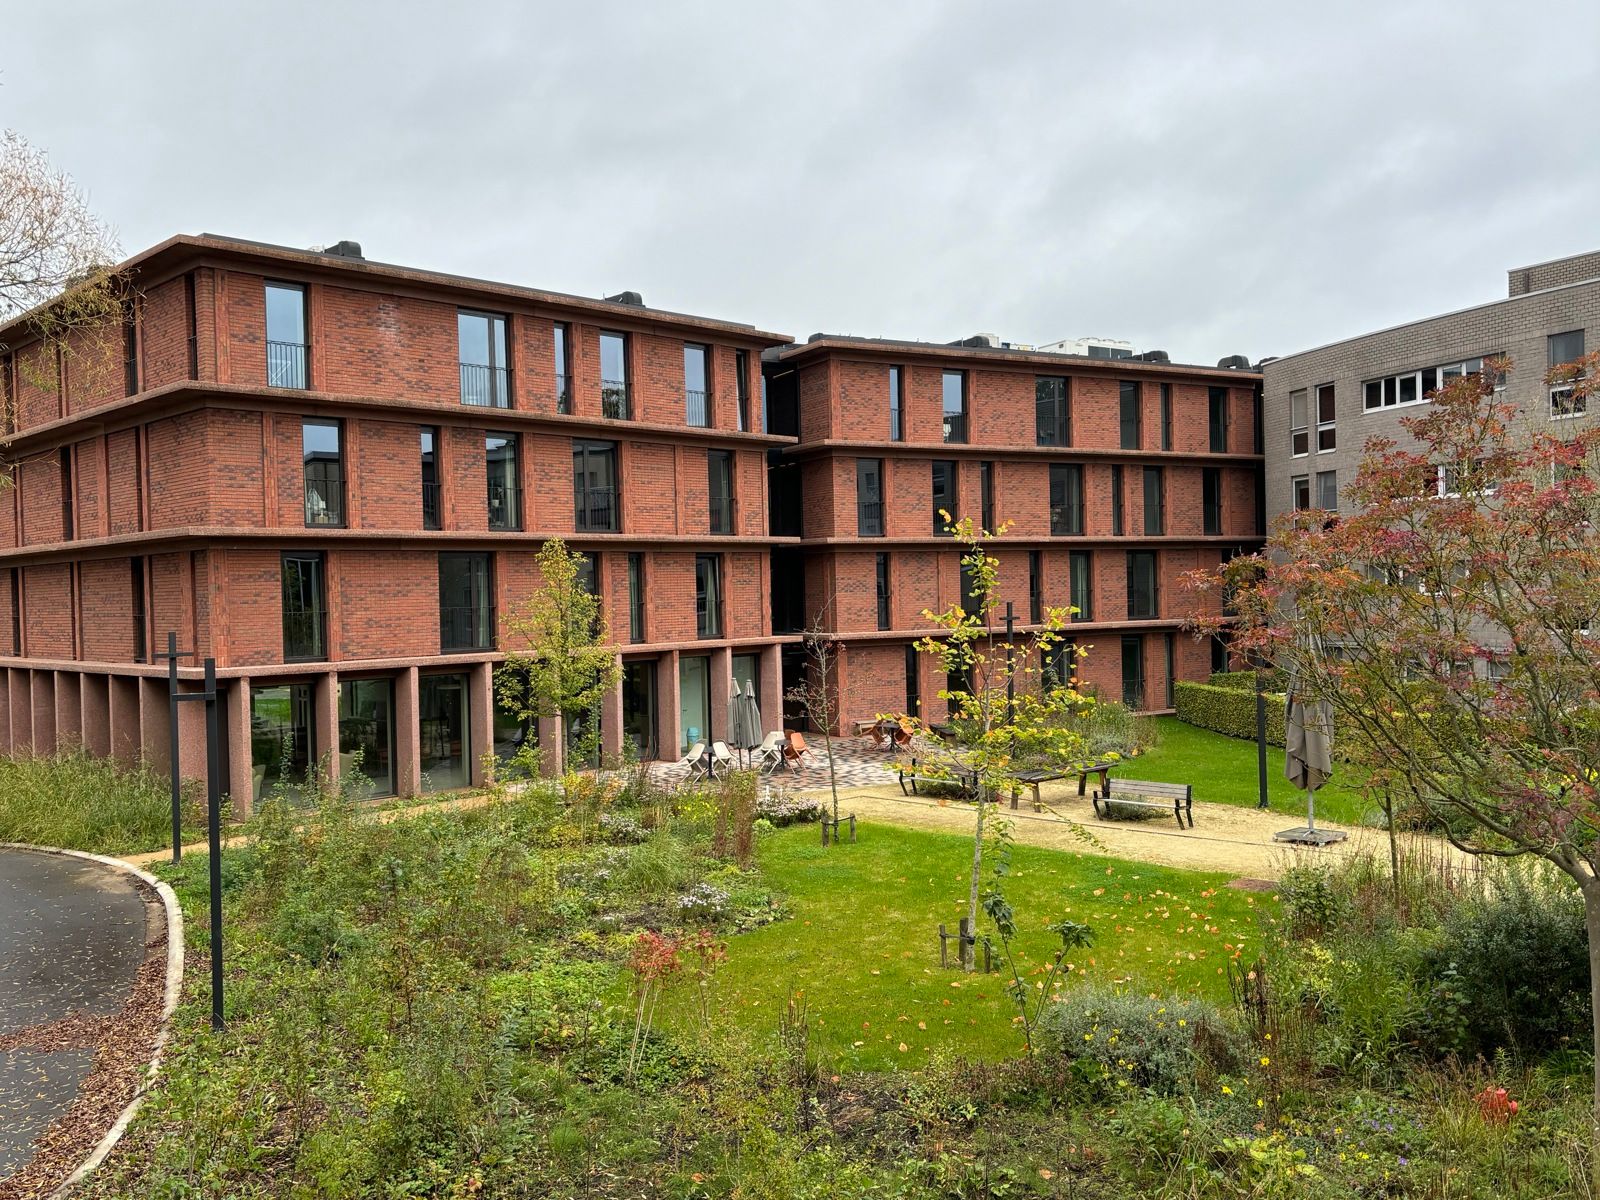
<point x="1204" y="178"/>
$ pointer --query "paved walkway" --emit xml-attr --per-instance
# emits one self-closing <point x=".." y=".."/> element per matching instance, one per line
<point x="72" y="940"/>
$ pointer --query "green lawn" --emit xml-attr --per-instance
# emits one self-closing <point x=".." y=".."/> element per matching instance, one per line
<point x="862" y="945"/>
<point x="1223" y="771"/>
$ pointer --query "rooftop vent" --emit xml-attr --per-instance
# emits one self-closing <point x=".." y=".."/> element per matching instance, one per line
<point x="989" y="341"/>
<point x="816" y="337"/>
<point x="344" y="249"/>
<point x="1263" y="362"/>
<point x="1159" y="356"/>
<point x="1234" y="362"/>
<point x="633" y="298"/>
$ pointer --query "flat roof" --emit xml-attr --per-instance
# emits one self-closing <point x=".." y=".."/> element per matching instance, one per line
<point x="822" y="343"/>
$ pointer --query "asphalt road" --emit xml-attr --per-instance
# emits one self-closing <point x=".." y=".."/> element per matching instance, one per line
<point x="72" y="939"/>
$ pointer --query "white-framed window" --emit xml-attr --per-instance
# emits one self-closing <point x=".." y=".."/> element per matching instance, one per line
<point x="1566" y="402"/>
<point x="1417" y="387"/>
<point x="1328" y="490"/>
<point x="1299" y="424"/>
<point x="1326" y="411"/>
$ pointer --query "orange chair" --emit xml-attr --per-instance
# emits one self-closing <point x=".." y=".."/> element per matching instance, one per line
<point x="794" y="748"/>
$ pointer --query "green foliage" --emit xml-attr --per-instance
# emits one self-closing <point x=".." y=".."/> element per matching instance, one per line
<point x="1117" y="1041"/>
<point x="1228" y="710"/>
<point x="1109" y="729"/>
<point x="80" y="802"/>
<point x="1273" y="681"/>
<point x="1314" y="898"/>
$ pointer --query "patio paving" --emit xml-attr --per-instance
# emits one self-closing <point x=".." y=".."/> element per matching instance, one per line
<point x="857" y="761"/>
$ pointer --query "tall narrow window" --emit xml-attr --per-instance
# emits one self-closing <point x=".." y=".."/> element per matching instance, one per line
<point x="1117" y="521"/>
<point x="1035" y="587"/>
<point x="1166" y="416"/>
<point x="741" y="389"/>
<point x="466" y="602"/>
<point x="322" y="463"/>
<point x="1066" y="499"/>
<point x="913" y="680"/>
<point x="1218" y="419"/>
<point x="1052" y="416"/>
<point x="882" y="590"/>
<point x="1142" y="597"/>
<point x="141" y="644"/>
<point x="897" y="406"/>
<point x="1133" y="671"/>
<point x="286" y="335"/>
<point x="1211" y="500"/>
<point x="1155" y="502"/>
<point x="1061" y="664"/>
<point x="1327" y="411"/>
<point x="432" y="513"/>
<point x="986" y="494"/>
<point x="504" y="488"/>
<point x="1080" y="580"/>
<point x="1299" y="424"/>
<point x="636" y="597"/>
<point x="944" y="496"/>
<point x="130" y="349"/>
<point x="596" y="488"/>
<point x="719" y="489"/>
<point x="1300" y="490"/>
<point x="562" y="335"/>
<point x="708" y="595"/>
<point x="16" y="611"/>
<point x="955" y="406"/>
<point x="869" y="497"/>
<point x="1130" y="419"/>
<point x="69" y="520"/>
<point x="1328" y="490"/>
<point x="696" y="401"/>
<point x="1170" y="657"/>
<point x="971" y="602"/>
<point x="1258" y="441"/>
<point x="588" y="576"/>
<point x="485" y="369"/>
<point x="305" y="614"/>
<point x="616" y="394"/>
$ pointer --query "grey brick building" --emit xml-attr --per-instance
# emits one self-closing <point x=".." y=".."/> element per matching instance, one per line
<point x="1322" y="405"/>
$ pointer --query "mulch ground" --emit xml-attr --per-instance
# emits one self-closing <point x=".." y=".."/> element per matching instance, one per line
<point x="122" y="1045"/>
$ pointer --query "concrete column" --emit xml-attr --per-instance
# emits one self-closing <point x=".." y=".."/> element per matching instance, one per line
<point x="69" y="711"/>
<point x="95" y="714"/>
<point x="611" y="719"/>
<point x="669" y="703"/>
<point x="770" y="687"/>
<point x="325" y="721"/>
<point x="721" y="689"/>
<point x="20" y="700"/>
<point x="407" y="735"/>
<point x="43" y="689"/>
<point x="480" y="721"/>
<point x="125" y="739"/>
<point x="241" y="765"/>
<point x="155" y="723"/>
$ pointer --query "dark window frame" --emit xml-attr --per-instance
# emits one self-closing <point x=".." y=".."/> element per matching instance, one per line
<point x="561" y="355"/>
<point x="616" y="395"/>
<point x="288" y="362"/>
<point x="882" y="590"/>
<point x="986" y="510"/>
<point x="137" y="573"/>
<point x="493" y="384"/>
<point x="1080" y="571"/>
<point x="1138" y="578"/>
<point x="722" y="507"/>
<point x="1130" y="414"/>
<point x="1217" y="423"/>
<point x="951" y="471"/>
<point x="708" y="596"/>
<point x="317" y="615"/>
<point x="636" y="605"/>
<point x="69" y="487"/>
<point x="869" y="506"/>
<point x="705" y="405"/>
<point x="510" y="492"/>
<point x="1211" y="501"/>
<point x="431" y="462"/>
<point x="1155" y="514"/>
<point x="1118" y="501"/>
<point x="326" y="483"/>
<point x="583" y="449"/>
<point x="1052" y="410"/>
<point x="955" y="421"/>
<point x="1035" y="587"/>
<point x="897" y="403"/>
<point x="741" y="389"/>
<point x="1166" y="416"/>
<point x="480" y="614"/>
<point x="1066" y="500"/>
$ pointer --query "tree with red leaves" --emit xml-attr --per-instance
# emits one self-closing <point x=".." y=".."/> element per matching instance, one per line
<point x="1453" y="622"/>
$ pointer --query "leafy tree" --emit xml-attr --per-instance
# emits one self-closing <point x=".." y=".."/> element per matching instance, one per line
<point x="1005" y="715"/>
<point x="1450" y="623"/>
<point x="559" y="661"/>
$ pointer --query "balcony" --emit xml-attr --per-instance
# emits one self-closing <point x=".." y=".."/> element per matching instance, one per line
<point x="324" y="496"/>
<point x="470" y="627"/>
<point x="614" y="399"/>
<point x="955" y="427"/>
<point x="505" y="506"/>
<point x="1065" y="520"/>
<point x="286" y="364"/>
<point x="869" y="518"/>
<point x="597" y="510"/>
<point x="305" y="636"/>
<point x="483" y="386"/>
<point x="696" y="409"/>
<point x="431" y="506"/>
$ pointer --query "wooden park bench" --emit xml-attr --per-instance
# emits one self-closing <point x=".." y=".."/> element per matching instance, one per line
<point x="1033" y="778"/>
<point x="962" y="778"/>
<point x="1140" y="793"/>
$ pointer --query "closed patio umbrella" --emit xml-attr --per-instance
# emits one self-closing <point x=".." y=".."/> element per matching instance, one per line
<point x="1308" y="759"/>
<point x="752" y="719"/>
<point x="736" y="731"/>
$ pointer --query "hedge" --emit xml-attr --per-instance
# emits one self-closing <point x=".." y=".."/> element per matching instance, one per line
<point x="1245" y="681"/>
<point x="1228" y="710"/>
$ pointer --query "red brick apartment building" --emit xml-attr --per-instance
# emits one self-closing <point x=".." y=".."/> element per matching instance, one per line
<point x="332" y="475"/>
<point x="1117" y="476"/>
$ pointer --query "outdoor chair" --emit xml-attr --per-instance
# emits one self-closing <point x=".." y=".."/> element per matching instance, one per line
<point x="794" y="748"/>
<point x="722" y="760"/>
<point x="695" y="762"/>
<point x="769" y="755"/>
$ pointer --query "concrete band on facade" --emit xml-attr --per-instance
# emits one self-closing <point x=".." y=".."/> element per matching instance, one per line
<point x="168" y="469"/>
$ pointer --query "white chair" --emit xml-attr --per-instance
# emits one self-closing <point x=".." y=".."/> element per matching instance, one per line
<point x="722" y="760"/>
<point x="694" y="761"/>
<point x="769" y="755"/>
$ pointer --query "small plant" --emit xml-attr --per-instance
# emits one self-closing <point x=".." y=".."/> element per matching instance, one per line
<point x="653" y="960"/>
<point x="1118" y="1042"/>
<point x="1315" y="902"/>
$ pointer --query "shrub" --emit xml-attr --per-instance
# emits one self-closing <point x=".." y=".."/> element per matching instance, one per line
<point x="1315" y="899"/>
<point x="1115" y="1040"/>
<point x="1108" y="727"/>
<point x="1120" y="810"/>
<point x="1228" y="710"/>
<point x="1510" y="968"/>
<point x="96" y="804"/>
<point x="1273" y="680"/>
<point x="783" y="809"/>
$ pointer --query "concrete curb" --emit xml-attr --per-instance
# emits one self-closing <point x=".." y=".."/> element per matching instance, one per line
<point x="169" y="1003"/>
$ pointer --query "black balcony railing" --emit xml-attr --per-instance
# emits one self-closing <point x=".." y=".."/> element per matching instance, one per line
<point x="724" y="514"/>
<point x="484" y="386"/>
<point x="1066" y="520"/>
<point x="286" y="364"/>
<point x="614" y="399"/>
<point x="869" y="518"/>
<point x="505" y="506"/>
<point x="470" y="627"/>
<point x="597" y="510"/>
<point x="432" y="515"/>
<point x="696" y="410"/>
<point x="324" y="495"/>
<point x="955" y="427"/>
<point x="305" y="636"/>
<point x="563" y="393"/>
